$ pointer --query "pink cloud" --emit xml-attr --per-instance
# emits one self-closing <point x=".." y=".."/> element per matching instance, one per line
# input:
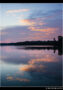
<point x="27" y="22"/>
<point x="32" y="22"/>
<point x="17" y="10"/>
<point x="42" y="30"/>
<point x="33" y="61"/>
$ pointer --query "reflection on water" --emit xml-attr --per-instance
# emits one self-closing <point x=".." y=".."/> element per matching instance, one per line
<point x="27" y="67"/>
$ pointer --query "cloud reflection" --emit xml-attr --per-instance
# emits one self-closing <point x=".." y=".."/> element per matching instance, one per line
<point x="18" y="79"/>
<point x="33" y="61"/>
<point x="32" y="68"/>
<point x="10" y="78"/>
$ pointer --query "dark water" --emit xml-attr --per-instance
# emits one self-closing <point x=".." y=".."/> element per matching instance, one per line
<point x="22" y="67"/>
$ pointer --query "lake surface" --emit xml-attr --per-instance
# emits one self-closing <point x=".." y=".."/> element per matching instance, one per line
<point x="27" y="67"/>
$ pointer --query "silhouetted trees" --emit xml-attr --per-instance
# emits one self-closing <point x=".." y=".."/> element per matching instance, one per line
<point x="54" y="42"/>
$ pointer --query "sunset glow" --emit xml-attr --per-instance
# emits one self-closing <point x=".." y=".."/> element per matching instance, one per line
<point x="31" y="44"/>
<point x="25" y="18"/>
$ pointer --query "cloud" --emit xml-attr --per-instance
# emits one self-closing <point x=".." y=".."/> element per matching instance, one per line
<point x="34" y="61"/>
<point x="31" y="67"/>
<point x="23" y="79"/>
<point x="18" y="79"/>
<point x="17" y="10"/>
<point x="10" y="78"/>
<point x="27" y="22"/>
<point x="48" y="22"/>
<point x="37" y="64"/>
<point x="49" y="14"/>
<point x="43" y="30"/>
<point x="32" y="22"/>
<point x="52" y="19"/>
<point x="28" y="33"/>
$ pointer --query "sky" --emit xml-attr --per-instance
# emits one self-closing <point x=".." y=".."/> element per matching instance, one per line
<point x="30" y="21"/>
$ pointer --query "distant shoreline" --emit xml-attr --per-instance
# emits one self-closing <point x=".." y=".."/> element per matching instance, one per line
<point x="53" y="43"/>
<point x="31" y="43"/>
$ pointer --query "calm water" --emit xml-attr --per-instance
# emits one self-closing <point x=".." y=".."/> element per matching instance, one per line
<point x="22" y="67"/>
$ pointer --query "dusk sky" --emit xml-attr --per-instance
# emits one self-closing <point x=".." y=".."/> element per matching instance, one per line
<point x="32" y="21"/>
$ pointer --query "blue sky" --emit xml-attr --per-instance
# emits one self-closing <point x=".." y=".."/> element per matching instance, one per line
<point x="29" y="19"/>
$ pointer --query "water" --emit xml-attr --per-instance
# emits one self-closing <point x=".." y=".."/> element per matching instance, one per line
<point x="23" y="67"/>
